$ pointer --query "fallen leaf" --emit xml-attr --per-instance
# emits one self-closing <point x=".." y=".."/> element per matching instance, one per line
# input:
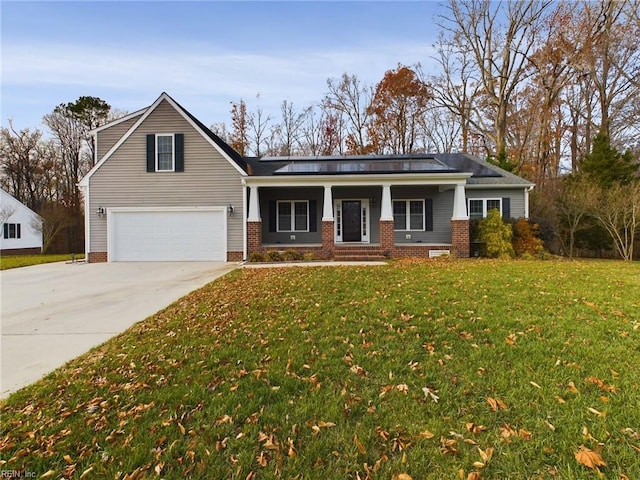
<point x="535" y="384"/>
<point x="48" y="473"/>
<point x="598" y="413"/>
<point x="473" y="428"/>
<point x="402" y="476"/>
<point x="359" y="445"/>
<point x="572" y="388"/>
<point x="426" y="434"/>
<point x="496" y="404"/>
<point x="430" y="394"/>
<point x="589" y="458"/>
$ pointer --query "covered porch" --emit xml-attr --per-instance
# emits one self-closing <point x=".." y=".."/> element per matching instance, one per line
<point x="359" y="216"/>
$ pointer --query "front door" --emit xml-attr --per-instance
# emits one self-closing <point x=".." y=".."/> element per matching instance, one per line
<point x="351" y="221"/>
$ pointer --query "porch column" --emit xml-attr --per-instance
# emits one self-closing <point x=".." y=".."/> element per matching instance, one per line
<point x="328" y="243"/>
<point x="387" y="241"/>
<point x="254" y="205"/>
<point x="254" y="222"/>
<point x="460" y="224"/>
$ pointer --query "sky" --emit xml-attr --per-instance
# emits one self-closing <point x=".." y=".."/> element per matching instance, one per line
<point x="205" y="54"/>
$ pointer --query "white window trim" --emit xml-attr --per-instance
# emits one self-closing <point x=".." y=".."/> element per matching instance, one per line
<point x="365" y="214"/>
<point x="293" y="215"/>
<point x="173" y="152"/>
<point x="408" y="214"/>
<point x="484" y="205"/>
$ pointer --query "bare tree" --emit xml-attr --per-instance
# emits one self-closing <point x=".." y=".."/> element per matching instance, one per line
<point x="289" y="129"/>
<point x="257" y="125"/>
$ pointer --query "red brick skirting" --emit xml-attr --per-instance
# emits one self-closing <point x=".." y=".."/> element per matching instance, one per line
<point x="460" y="238"/>
<point x="234" y="256"/>
<point x="254" y="237"/>
<point x="328" y="243"/>
<point x="415" y="250"/>
<point x="21" y="251"/>
<point x="97" y="257"/>
<point x="386" y="237"/>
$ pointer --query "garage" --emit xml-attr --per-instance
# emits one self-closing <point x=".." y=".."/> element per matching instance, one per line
<point x="166" y="234"/>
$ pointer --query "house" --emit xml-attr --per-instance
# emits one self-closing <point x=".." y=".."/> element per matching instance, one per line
<point x="166" y="188"/>
<point x="21" y="227"/>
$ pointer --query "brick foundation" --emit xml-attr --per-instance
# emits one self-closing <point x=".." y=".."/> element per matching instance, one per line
<point x="97" y="257"/>
<point x="20" y="251"/>
<point x="417" y="250"/>
<point x="387" y="237"/>
<point x="328" y="243"/>
<point x="235" y="256"/>
<point x="460" y="238"/>
<point x="254" y="237"/>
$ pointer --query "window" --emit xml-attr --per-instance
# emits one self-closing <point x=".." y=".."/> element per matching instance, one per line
<point x="408" y="215"/>
<point x="293" y="216"/>
<point x="165" y="154"/>
<point x="478" y="207"/>
<point x="11" y="230"/>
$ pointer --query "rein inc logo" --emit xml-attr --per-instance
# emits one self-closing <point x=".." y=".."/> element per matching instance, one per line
<point x="17" y="474"/>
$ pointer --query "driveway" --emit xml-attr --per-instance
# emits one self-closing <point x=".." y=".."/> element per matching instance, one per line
<point x="52" y="313"/>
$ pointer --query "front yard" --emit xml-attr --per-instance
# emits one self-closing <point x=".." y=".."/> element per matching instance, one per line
<point x="426" y="370"/>
<point x="17" y="261"/>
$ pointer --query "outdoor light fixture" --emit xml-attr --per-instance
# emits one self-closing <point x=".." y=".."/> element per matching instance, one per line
<point x="101" y="211"/>
<point x="230" y="209"/>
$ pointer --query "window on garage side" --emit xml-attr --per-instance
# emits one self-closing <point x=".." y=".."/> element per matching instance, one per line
<point x="11" y="230"/>
<point x="165" y="153"/>
<point x="293" y="216"/>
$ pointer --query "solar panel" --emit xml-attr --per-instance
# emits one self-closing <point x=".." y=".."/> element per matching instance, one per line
<point x="426" y="165"/>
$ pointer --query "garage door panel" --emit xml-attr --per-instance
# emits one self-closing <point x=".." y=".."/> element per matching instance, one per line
<point x="168" y="235"/>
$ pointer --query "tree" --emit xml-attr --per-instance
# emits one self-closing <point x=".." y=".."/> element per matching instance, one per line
<point x="398" y="105"/>
<point x="500" y="53"/>
<point x="90" y="113"/>
<point x="606" y="166"/>
<point x="289" y="128"/>
<point x="495" y="236"/>
<point x="573" y="210"/>
<point x="618" y="211"/>
<point x="257" y="123"/>
<point x="348" y="99"/>
<point x="239" y="136"/>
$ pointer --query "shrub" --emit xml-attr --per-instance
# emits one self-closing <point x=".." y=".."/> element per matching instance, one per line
<point x="526" y="239"/>
<point x="309" y="257"/>
<point x="273" y="256"/>
<point x="291" y="256"/>
<point x="495" y="235"/>
<point x="256" y="257"/>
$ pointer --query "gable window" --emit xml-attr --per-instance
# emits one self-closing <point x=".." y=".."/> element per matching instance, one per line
<point x="11" y="230"/>
<point x="292" y="216"/>
<point x="408" y="215"/>
<point x="165" y="154"/>
<point x="479" y="207"/>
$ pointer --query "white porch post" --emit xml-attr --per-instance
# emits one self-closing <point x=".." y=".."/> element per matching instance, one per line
<point x="386" y="211"/>
<point x="254" y="205"/>
<point x="459" y="204"/>
<point x="327" y="208"/>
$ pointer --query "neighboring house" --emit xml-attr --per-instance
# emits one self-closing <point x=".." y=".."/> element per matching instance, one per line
<point x="166" y="188"/>
<point x="21" y="232"/>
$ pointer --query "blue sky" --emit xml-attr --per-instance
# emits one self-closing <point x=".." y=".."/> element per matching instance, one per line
<point x="205" y="54"/>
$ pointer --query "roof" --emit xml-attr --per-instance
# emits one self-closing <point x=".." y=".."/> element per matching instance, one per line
<point x="483" y="173"/>
<point x="8" y="198"/>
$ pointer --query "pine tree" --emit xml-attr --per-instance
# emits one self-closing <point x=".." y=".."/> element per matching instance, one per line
<point x="606" y="165"/>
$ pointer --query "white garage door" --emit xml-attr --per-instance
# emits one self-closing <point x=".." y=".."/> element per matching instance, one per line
<point x="168" y="234"/>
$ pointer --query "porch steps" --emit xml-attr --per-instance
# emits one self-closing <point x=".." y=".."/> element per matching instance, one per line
<point x="358" y="254"/>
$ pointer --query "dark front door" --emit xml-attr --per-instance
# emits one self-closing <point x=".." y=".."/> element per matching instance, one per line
<point x="351" y="221"/>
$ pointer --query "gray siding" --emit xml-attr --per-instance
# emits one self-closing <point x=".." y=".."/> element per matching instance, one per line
<point x="442" y="211"/>
<point x="208" y="178"/>
<point x="269" y="195"/>
<point x="108" y="137"/>
<point x="515" y="194"/>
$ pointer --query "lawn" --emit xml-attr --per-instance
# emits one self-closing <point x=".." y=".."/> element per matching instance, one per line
<point x="15" y="261"/>
<point x="440" y="369"/>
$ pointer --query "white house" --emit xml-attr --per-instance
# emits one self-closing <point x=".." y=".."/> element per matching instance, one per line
<point x="21" y="227"/>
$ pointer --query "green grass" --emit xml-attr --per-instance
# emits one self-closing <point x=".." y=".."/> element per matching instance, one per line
<point x="319" y="373"/>
<point x="15" y="261"/>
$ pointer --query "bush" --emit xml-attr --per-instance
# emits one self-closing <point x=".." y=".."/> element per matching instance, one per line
<point x="495" y="235"/>
<point x="273" y="256"/>
<point x="256" y="257"/>
<point x="291" y="256"/>
<point x="309" y="257"/>
<point x="526" y="239"/>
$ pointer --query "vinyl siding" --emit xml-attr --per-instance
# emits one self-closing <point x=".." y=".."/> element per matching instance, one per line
<point x="442" y="211"/>
<point x="269" y="195"/>
<point x="108" y="137"/>
<point x="515" y="194"/>
<point x="208" y="178"/>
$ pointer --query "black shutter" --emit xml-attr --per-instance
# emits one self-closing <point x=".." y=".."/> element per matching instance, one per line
<point x="18" y="231"/>
<point x="428" y="214"/>
<point x="5" y="230"/>
<point x="272" y="215"/>
<point x="151" y="153"/>
<point x="179" y="139"/>
<point x="313" y="216"/>
<point x="506" y="208"/>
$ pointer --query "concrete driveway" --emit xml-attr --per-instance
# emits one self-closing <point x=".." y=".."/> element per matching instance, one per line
<point x="52" y="313"/>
